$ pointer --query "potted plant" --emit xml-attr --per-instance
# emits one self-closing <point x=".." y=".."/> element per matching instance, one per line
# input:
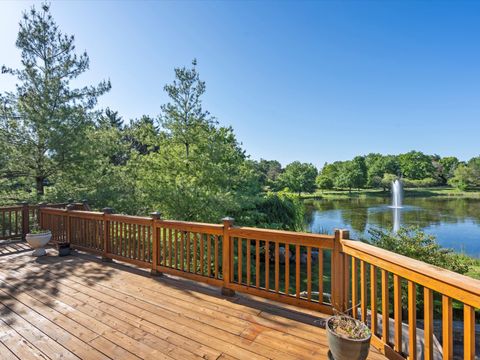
<point x="348" y="338"/>
<point x="37" y="238"/>
<point x="63" y="248"/>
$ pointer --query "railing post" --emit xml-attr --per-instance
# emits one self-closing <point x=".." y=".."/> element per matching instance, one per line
<point x="25" y="220"/>
<point x="106" y="234"/>
<point x="338" y="275"/>
<point x="227" y="224"/>
<point x="155" y="216"/>
<point x="345" y="235"/>
<point x="39" y="214"/>
<point x="70" y="207"/>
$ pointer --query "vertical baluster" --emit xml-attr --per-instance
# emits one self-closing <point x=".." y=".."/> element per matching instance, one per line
<point x="385" y="308"/>
<point x="309" y="273"/>
<point x="239" y="260"/>
<point x="182" y="248"/>
<point x="216" y="256"/>
<point x="195" y="252"/>
<point x="209" y="255"/>
<point x="373" y="298"/>
<point x="468" y="332"/>
<point x="189" y="260"/>
<point x="149" y="245"/>
<point x="297" y="271"/>
<point x="277" y="267"/>
<point x="144" y="243"/>
<point x="447" y="338"/>
<point x="363" y="290"/>
<point x="428" y="323"/>
<point x="170" y="247"/>
<point x="320" y="275"/>
<point x="267" y="265"/>
<point x="248" y="261"/>
<point x="412" y="320"/>
<point x="397" y="312"/>
<point x="354" y="288"/>
<point x="287" y="268"/>
<point x="138" y="237"/>
<point x="16" y="222"/>
<point x="175" y="249"/>
<point x="202" y="253"/>
<point x="165" y="246"/>
<point x="131" y="241"/>
<point x="257" y="263"/>
<point x="232" y="254"/>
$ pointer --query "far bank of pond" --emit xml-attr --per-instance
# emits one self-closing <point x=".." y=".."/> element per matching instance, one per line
<point x="454" y="220"/>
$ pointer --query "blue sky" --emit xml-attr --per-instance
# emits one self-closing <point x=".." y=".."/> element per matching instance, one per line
<point x="309" y="81"/>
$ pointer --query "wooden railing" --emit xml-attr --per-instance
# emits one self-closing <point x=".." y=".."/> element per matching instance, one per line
<point x="314" y="271"/>
<point x="15" y="221"/>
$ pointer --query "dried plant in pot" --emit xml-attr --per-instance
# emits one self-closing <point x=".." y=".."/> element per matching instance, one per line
<point x="348" y="338"/>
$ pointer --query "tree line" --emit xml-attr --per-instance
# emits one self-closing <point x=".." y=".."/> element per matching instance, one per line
<point x="415" y="168"/>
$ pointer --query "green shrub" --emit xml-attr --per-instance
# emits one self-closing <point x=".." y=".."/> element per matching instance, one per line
<point x="416" y="244"/>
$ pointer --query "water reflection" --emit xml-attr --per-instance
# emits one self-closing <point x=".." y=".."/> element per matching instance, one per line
<point x="397" y="220"/>
<point x="455" y="222"/>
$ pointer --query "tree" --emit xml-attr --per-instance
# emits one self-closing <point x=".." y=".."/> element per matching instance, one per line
<point x="448" y="165"/>
<point x="467" y="175"/>
<point x="199" y="171"/>
<point x="352" y="174"/>
<point x="416" y="165"/>
<point x="184" y="116"/>
<point x="268" y="171"/>
<point x="326" y="177"/>
<point x="45" y="119"/>
<point x="299" y="177"/>
<point x="112" y="118"/>
<point x="379" y="165"/>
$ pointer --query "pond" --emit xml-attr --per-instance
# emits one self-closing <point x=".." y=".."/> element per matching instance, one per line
<point x="454" y="221"/>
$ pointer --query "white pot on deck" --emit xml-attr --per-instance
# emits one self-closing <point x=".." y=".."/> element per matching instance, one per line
<point x="38" y="242"/>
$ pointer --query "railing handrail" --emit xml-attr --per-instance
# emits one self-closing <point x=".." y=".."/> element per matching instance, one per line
<point x="457" y="286"/>
<point x="303" y="238"/>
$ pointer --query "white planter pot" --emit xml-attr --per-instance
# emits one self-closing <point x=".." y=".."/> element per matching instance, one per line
<point x="38" y="242"/>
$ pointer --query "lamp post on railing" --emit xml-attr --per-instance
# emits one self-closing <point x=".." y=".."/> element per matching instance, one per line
<point x="226" y="257"/>
<point x="106" y="234"/>
<point x="155" y="238"/>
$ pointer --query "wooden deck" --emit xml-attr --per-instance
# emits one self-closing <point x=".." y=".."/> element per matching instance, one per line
<point x="78" y="307"/>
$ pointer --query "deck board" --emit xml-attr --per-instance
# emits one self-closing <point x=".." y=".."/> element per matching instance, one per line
<point x="78" y="307"/>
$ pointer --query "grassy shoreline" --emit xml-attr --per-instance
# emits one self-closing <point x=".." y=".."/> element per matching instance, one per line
<point x="409" y="192"/>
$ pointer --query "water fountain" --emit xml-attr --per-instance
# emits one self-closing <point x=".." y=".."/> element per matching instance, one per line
<point x="397" y="194"/>
<point x="396" y="204"/>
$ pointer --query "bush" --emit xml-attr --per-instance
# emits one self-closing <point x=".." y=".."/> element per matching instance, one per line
<point x="416" y="244"/>
<point x="283" y="211"/>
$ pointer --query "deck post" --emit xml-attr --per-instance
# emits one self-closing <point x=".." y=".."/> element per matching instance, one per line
<point x="338" y="274"/>
<point x="106" y="234"/>
<point x="39" y="214"/>
<point x="155" y="239"/>
<point x="70" y="207"/>
<point x="25" y="220"/>
<point x="226" y="245"/>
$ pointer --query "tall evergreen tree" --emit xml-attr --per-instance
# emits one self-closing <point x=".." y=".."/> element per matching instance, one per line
<point x="44" y="120"/>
